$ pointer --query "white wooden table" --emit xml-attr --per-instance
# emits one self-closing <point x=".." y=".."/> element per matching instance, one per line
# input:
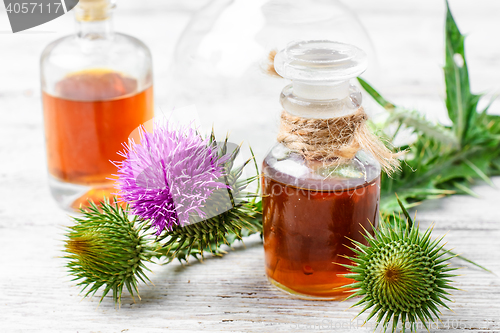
<point x="231" y="294"/>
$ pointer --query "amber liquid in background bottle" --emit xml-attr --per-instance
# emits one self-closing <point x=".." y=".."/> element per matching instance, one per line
<point x="86" y="123"/>
<point x="305" y="235"/>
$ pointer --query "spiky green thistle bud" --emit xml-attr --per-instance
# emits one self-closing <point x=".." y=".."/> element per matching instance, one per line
<point x="401" y="274"/>
<point x="106" y="248"/>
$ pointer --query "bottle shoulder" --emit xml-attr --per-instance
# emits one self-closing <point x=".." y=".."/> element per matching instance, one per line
<point x="116" y="48"/>
<point x="119" y="53"/>
<point x="285" y="166"/>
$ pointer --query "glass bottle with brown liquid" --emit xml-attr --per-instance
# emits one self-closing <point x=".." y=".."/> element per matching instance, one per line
<point x="313" y="209"/>
<point x="97" y="88"/>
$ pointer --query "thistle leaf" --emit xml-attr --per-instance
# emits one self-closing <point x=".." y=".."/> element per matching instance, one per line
<point x="405" y="212"/>
<point x="460" y="102"/>
<point x="376" y="96"/>
<point x="443" y="161"/>
<point x="424" y="127"/>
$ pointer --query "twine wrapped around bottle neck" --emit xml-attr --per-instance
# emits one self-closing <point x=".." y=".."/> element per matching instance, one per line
<point x="334" y="140"/>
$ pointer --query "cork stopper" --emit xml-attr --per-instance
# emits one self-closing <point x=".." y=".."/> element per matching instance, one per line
<point x="94" y="10"/>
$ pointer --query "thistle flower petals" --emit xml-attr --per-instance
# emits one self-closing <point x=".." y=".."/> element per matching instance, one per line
<point x="169" y="175"/>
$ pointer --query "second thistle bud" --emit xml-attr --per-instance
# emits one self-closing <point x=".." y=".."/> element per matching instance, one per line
<point x="106" y="248"/>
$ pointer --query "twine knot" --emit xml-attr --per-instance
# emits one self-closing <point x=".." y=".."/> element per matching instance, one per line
<point x="334" y="140"/>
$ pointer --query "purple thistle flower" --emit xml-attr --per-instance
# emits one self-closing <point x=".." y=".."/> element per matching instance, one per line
<point x="168" y="176"/>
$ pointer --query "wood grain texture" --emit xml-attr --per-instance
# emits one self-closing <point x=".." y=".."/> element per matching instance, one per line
<point x="232" y="294"/>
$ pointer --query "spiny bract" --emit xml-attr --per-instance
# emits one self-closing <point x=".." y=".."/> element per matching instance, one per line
<point x="402" y="275"/>
<point x="231" y="217"/>
<point x="106" y="248"/>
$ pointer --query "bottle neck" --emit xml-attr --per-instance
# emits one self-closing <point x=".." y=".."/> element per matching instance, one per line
<point x="92" y="30"/>
<point x="94" y="19"/>
<point x="330" y="91"/>
<point x="320" y="102"/>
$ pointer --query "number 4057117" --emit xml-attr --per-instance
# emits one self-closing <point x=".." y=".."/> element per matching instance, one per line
<point x="33" y="7"/>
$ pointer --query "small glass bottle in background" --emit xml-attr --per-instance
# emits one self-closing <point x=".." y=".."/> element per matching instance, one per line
<point x="97" y="87"/>
<point x="311" y="208"/>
